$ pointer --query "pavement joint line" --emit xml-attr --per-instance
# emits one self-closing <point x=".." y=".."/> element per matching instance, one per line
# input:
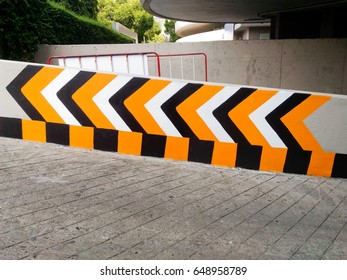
<point x="124" y="219"/>
<point x="23" y="178"/>
<point x="74" y="211"/>
<point x="121" y="220"/>
<point x="86" y="196"/>
<point x="234" y="210"/>
<point x="76" y="182"/>
<point x="308" y="212"/>
<point x="83" y="167"/>
<point x="277" y="240"/>
<point x="70" y="183"/>
<point x="274" y="201"/>
<point x="223" y="202"/>
<point x="30" y="164"/>
<point x="316" y="228"/>
<point x="159" y="219"/>
<point x="52" y="172"/>
<point x="207" y="210"/>
<point x="286" y="210"/>
<point x="336" y="236"/>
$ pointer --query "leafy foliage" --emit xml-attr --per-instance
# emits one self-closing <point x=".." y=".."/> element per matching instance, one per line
<point x="25" y="24"/>
<point x="170" y="30"/>
<point x="131" y="14"/>
<point x="20" y="27"/>
<point x="88" y="8"/>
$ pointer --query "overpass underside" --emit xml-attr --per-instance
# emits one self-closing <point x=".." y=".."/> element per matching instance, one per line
<point x="297" y="19"/>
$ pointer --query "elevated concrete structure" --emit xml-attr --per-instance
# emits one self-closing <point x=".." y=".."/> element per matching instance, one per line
<point x="184" y="29"/>
<point x="290" y="19"/>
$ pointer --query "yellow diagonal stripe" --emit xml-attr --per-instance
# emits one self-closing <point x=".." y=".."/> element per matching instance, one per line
<point x="84" y="99"/>
<point x="240" y="116"/>
<point x="188" y="111"/>
<point x="271" y="159"/>
<point x="32" y="91"/>
<point x="321" y="162"/>
<point x="136" y="105"/>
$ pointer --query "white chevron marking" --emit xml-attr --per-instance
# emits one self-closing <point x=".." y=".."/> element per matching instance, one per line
<point x="206" y="113"/>
<point x="258" y="118"/>
<point x="154" y="107"/>
<point x="101" y="99"/>
<point x="50" y="93"/>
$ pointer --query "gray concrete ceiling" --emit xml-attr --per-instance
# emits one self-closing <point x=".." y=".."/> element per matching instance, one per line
<point x="223" y="11"/>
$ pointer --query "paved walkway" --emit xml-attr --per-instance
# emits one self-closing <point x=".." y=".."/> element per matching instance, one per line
<point x="63" y="203"/>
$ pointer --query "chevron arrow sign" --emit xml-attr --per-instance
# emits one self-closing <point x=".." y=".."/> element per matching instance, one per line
<point x="253" y="128"/>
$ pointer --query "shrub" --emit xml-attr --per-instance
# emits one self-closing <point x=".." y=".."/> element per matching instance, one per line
<point x="25" y="24"/>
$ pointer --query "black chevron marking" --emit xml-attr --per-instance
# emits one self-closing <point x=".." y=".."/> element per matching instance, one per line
<point x="297" y="160"/>
<point x="248" y="156"/>
<point x="117" y="102"/>
<point x="221" y="114"/>
<point x="14" y="88"/>
<point x="66" y="92"/>
<point x="169" y="108"/>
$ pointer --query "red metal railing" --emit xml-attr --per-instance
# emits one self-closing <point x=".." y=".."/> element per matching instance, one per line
<point x="143" y="54"/>
<point x="64" y="57"/>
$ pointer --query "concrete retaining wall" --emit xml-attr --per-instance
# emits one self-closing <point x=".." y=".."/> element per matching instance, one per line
<point x="229" y="125"/>
<point x="318" y="65"/>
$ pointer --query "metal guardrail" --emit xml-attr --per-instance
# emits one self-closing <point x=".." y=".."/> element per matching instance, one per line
<point x="133" y="63"/>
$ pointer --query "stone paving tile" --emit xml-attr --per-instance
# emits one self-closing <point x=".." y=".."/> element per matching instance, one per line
<point x="63" y="203"/>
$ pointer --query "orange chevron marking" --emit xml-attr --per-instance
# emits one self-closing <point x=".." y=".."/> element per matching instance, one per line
<point x="136" y="105"/>
<point x="32" y="91"/>
<point x="294" y="121"/>
<point x="240" y="116"/>
<point x="321" y="162"/>
<point x="272" y="159"/>
<point x="187" y="110"/>
<point x="84" y="98"/>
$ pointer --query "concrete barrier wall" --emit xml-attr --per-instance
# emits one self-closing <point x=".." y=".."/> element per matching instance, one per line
<point x="228" y="125"/>
<point x="318" y="65"/>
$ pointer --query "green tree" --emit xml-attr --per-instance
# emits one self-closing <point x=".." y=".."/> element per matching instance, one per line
<point x="131" y="14"/>
<point x="24" y="24"/>
<point x="170" y="29"/>
<point x="154" y="34"/>
<point x="20" y="24"/>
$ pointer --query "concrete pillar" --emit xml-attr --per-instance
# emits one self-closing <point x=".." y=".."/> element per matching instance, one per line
<point x="229" y="31"/>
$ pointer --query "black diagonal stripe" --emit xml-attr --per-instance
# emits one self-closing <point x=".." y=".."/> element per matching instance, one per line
<point x="169" y="108"/>
<point x="297" y="160"/>
<point x="221" y="114"/>
<point x="15" y="89"/>
<point x="67" y="91"/>
<point x="117" y="102"/>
